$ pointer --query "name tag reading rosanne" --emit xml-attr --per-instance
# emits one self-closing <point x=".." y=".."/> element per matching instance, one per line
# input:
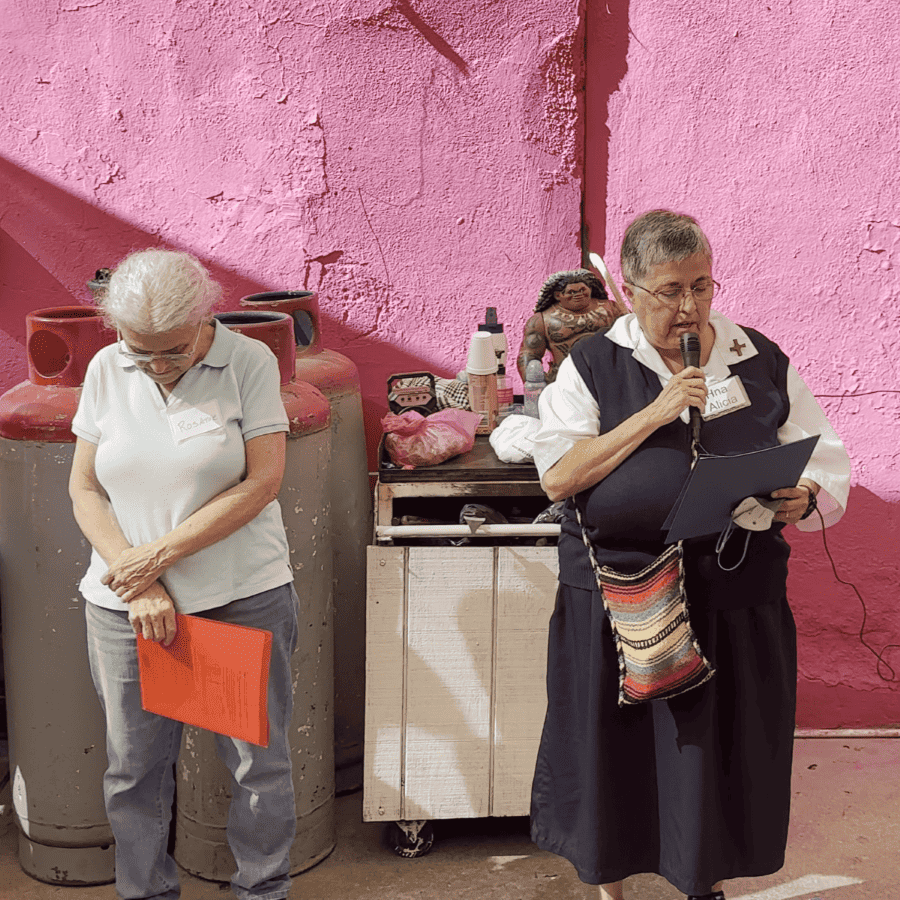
<point x="194" y="420"/>
<point x="725" y="397"/>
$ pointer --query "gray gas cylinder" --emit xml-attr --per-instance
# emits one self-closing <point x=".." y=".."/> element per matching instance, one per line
<point x="57" y="734"/>
<point x="203" y="792"/>
<point x="337" y="377"/>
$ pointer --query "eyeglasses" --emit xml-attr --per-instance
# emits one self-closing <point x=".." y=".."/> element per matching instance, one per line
<point x="673" y="297"/>
<point x="144" y="359"/>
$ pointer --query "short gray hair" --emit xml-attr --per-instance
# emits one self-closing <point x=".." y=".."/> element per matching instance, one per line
<point x="158" y="290"/>
<point x="660" y="236"/>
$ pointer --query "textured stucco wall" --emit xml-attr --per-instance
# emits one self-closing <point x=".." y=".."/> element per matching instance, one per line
<point x="414" y="161"/>
<point x="776" y="124"/>
<point x="417" y="160"/>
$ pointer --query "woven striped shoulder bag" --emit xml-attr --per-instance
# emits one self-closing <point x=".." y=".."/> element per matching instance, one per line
<point x="659" y="656"/>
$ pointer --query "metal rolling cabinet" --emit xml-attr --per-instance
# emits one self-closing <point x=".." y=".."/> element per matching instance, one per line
<point x="456" y="641"/>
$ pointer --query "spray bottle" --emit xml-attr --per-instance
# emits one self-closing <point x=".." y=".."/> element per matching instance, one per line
<point x="481" y="369"/>
<point x="504" y="382"/>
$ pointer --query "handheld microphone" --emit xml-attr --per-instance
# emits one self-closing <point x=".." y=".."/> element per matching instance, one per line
<point x="690" y="355"/>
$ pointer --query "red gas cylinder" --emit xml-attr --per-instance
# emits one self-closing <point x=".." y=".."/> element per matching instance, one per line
<point x="56" y="729"/>
<point x="351" y="516"/>
<point x="204" y="784"/>
<point x="275" y="330"/>
<point x="60" y="343"/>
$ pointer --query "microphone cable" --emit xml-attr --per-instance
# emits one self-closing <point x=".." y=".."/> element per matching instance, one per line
<point x="862" y="628"/>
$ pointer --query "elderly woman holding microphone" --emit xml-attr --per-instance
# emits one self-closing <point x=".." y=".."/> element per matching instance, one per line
<point x="696" y="786"/>
<point x="179" y="457"/>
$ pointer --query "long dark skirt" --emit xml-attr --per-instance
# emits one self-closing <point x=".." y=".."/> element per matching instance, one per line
<point x="697" y="788"/>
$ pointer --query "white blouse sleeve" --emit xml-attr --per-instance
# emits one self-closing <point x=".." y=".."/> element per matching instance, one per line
<point x="829" y="465"/>
<point x="569" y="413"/>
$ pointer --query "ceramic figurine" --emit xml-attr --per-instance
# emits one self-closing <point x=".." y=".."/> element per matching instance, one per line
<point x="571" y="305"/>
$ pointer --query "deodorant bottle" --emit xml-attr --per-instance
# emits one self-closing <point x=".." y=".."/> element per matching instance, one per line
<point x="535" y="382"/>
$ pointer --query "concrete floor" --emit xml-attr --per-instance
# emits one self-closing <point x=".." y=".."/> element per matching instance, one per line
<point x="844" y="845"/>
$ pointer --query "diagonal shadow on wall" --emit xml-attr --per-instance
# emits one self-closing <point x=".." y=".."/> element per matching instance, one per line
<point x="35" y="215"/>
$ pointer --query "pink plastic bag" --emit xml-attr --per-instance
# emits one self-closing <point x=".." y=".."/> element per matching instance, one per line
<point x="416" y="440"/>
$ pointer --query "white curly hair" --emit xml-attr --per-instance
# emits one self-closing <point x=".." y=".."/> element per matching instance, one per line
<point x="156" y="290"/>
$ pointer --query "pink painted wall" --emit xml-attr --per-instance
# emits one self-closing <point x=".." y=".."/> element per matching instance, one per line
<point x="417" y="160"/>
<point x="776" y="124"/>
<point x="414" y="161"/>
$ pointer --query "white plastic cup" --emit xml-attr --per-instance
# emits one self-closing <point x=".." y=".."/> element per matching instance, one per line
<point x="482" y="359"/>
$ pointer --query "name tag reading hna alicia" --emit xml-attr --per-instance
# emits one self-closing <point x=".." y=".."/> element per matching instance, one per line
<point x="725" y="397"/>
<point x="199" y="419"/>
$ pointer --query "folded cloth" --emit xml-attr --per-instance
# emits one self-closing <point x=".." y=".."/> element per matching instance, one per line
<point x="451" y="393"/>
<point x="513" y="438"/>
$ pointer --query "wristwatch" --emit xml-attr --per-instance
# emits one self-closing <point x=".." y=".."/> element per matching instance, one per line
<point x="811" y="504"/>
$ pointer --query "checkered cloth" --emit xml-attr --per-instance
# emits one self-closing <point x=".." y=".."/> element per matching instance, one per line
<point x="449" y="393"/>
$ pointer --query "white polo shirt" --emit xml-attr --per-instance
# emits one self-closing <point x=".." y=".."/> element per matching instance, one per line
<point x="161" y="459"/>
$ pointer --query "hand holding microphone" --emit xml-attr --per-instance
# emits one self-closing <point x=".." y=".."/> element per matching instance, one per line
<point x="686" y="389"/>
<point x="682" y="390"/>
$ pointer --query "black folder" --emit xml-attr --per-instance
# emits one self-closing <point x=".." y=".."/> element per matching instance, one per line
<point x="718" y="483"/>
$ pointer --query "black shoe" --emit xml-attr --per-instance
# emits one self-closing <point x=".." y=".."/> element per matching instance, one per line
<point x="717" y="895"/>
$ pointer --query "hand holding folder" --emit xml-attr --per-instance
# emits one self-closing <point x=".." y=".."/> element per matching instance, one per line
<point x="718" y="483"/>
<point x="214" y="675"/>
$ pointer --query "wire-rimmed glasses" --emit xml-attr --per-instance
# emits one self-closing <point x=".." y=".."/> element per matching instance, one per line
<point x="673" y="297"/>
<point x="144" y="359"/>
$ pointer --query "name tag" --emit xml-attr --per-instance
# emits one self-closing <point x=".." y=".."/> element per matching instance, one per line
<point x="725" y="397"/>
<point x="200" y="419"/>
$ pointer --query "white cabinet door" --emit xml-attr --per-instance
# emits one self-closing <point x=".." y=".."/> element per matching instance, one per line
<point x="455" y="696"/>
<point x="526" y="595"/>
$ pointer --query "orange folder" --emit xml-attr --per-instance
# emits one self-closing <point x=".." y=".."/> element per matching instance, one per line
<point x="214" y="675"/>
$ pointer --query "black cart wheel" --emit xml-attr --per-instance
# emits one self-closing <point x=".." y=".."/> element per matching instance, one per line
<point x="410" y="839"/>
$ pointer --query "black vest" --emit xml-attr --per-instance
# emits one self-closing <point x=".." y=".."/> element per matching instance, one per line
<point x="625" y="511"/>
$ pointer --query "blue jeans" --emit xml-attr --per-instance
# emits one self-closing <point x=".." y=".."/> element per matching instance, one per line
<point x="139" y="784"/>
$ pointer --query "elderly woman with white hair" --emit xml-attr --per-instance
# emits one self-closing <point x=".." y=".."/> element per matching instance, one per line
<point x="183" y="519"/>
<point x="693" y="785"/>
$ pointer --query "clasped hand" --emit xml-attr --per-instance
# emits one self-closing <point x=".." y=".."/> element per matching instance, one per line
<point x="152" y="614"/>
<point x="134" y="570"/>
